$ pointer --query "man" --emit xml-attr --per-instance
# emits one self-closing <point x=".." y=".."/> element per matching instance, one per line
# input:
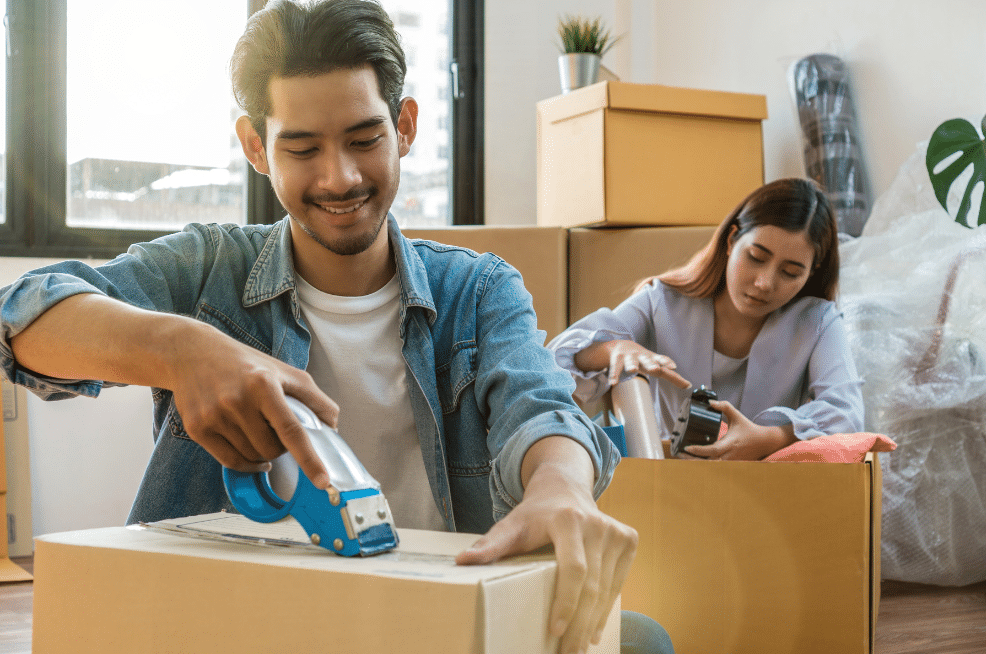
<point x="427" y="357"/>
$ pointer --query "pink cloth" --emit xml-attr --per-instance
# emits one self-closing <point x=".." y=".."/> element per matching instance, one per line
<point x="837" y="448"/>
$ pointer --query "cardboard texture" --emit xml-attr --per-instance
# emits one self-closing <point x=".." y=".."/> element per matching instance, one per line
<point x="9" y="571"/>
<point x="3" y="457"/>
<point x="752" y="557"/>
<point x="136" y="590"/>
<point x="16" y="442"/>
<point x="616" y="153"/>
<point x="605" y="264"/>
<point x="539" y="253"/>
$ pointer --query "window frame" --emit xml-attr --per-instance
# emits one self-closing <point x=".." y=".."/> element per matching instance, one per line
<point x="35" y="192"/>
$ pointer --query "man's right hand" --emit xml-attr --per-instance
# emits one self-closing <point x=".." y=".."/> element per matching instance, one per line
<point x="229" y="395"/>
<point x="231" y="400"/>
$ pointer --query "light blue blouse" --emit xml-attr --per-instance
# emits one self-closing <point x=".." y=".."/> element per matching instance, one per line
<point x="800" y="368"/>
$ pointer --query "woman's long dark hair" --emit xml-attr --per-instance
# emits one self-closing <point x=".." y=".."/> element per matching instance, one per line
<point x="795" y="205"/>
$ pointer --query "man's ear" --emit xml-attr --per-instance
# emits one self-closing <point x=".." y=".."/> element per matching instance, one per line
<point x="253" y="146"/>
<point x="407" y="125"/>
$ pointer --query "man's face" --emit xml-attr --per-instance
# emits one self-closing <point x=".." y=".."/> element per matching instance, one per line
<point x="333" y="158"/>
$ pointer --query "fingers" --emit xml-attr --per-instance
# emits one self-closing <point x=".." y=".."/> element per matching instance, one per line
<point x="593" y="562"/>
<point x="502" y="540"/>
<point x="641" y="361"/>
<point x="229" y="456"/>
<point x="616" y="567"/>
<point x="726" y="409"/>
<point x="293" y="436"/>
<point x="618" y="361"/>
<point x="713" y="451"/>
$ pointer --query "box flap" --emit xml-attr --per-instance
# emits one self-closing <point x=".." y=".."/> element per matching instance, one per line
<point x="876" y="517"/>
<point x="653" y="97"/>
<point x="675" y="100"/>
<point x="422" y="554"/>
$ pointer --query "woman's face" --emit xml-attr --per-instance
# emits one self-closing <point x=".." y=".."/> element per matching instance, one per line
<point x="767" y="267"/>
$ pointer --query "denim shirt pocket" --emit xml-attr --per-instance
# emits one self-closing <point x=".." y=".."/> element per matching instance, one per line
<point x="220" y="320"/>
<point x="455" y="375"/>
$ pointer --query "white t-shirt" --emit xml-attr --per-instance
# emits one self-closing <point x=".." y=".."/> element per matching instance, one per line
<point x="356" y="360"/>
<point x="728" y="377"/>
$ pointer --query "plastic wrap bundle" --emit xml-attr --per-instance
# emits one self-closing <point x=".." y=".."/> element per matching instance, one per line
<point x="833" y="158"/>
<point x="913" y="300"/>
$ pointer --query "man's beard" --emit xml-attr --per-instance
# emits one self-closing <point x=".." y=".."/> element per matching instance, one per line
<point x="357" y="243"/>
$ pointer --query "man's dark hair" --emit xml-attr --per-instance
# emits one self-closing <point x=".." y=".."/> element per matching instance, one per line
<point x="291" y="38"/>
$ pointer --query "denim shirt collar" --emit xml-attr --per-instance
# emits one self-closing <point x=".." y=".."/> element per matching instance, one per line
<point x="273" y="272"/>
<point x="415" y="288"/>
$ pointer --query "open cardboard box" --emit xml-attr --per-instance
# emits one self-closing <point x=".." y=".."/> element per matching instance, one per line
<point x="751" y="557"/>
<point x="138" y="590"/>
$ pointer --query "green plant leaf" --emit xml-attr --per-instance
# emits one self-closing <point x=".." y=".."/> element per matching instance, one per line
<point x="579" y="34"/>
<point x="951" y="137"/>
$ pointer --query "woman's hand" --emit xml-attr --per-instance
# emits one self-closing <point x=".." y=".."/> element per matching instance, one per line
<point x="743" y="440"/>
<point x="621" y="357"/>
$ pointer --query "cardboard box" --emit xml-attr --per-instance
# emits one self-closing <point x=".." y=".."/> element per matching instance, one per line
<point x="3" y="452"/>
<point x="9" y="571"/>
<point x="539" y="253"/>
<point x="753" y="557"/>
<point x="605" y="264"/>
<point x="128" y="590"/>
<point x="616" y="153"/>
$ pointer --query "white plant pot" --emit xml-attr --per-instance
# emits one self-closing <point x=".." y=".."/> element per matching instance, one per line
<point x="578" y="69"/>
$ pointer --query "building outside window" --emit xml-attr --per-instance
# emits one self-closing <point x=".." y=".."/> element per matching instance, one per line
<point x="136" y="131"/>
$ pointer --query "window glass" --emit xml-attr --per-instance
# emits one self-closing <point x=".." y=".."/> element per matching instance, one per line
<point x="150" y="139"/>
<point x="423" y="197"/>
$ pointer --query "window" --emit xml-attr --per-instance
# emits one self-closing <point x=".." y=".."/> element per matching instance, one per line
<point x="118" y="131"/>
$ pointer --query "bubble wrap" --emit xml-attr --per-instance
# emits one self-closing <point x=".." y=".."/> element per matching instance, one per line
<point x="921" y="349"/>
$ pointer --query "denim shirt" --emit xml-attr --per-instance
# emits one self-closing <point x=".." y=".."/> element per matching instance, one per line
<point x="483" y="387"/>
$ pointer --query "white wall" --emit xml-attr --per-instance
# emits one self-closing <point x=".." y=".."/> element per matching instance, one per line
<point x="86" y="456"/>
<point x="914" y="63"/>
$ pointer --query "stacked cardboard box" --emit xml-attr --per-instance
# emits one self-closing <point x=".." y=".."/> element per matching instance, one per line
<point x="9" y="571"/>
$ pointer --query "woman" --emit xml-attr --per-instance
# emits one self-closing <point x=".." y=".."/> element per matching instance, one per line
<point x="751" y="316"/>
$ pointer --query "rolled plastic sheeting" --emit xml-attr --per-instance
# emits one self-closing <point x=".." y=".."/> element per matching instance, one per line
<point x="633" y="406"/>
<point x="833" y="156"/>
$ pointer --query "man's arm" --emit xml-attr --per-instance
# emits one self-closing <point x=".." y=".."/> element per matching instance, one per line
<point x="593" y="551"/>
<point x="230" y="396"/>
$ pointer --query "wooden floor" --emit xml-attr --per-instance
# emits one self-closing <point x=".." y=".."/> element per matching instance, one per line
<point x="914" y="619"/>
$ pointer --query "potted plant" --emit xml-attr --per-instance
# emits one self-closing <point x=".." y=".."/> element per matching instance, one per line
<point x="584" y="41"/>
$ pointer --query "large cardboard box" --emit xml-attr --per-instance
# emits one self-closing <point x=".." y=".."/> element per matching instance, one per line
<point x="539" y="253"/>
<point x="616" y="153"/>
<point x="605" y="264"/>
<point x="124" y="590"/>
<point x="753" y="557"/>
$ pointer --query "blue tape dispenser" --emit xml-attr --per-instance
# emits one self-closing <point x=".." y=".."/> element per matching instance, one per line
<point x="350" y="518"/>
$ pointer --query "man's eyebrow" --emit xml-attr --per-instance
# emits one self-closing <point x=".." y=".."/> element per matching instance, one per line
<point x="790" y="261"/>
<point x="300" y="134"/>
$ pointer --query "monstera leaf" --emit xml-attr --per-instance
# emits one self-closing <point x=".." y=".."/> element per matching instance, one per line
<point x="952" y="137"/>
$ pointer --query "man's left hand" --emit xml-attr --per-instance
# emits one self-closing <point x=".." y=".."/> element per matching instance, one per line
<point x="593" y="551"/>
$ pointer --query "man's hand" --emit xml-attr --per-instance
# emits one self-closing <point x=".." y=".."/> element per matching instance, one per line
<point x="229" y="395"/>
<point x="744" y="440"/>
<point x="231" y="400"/>
<point x="593" y="551"/>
